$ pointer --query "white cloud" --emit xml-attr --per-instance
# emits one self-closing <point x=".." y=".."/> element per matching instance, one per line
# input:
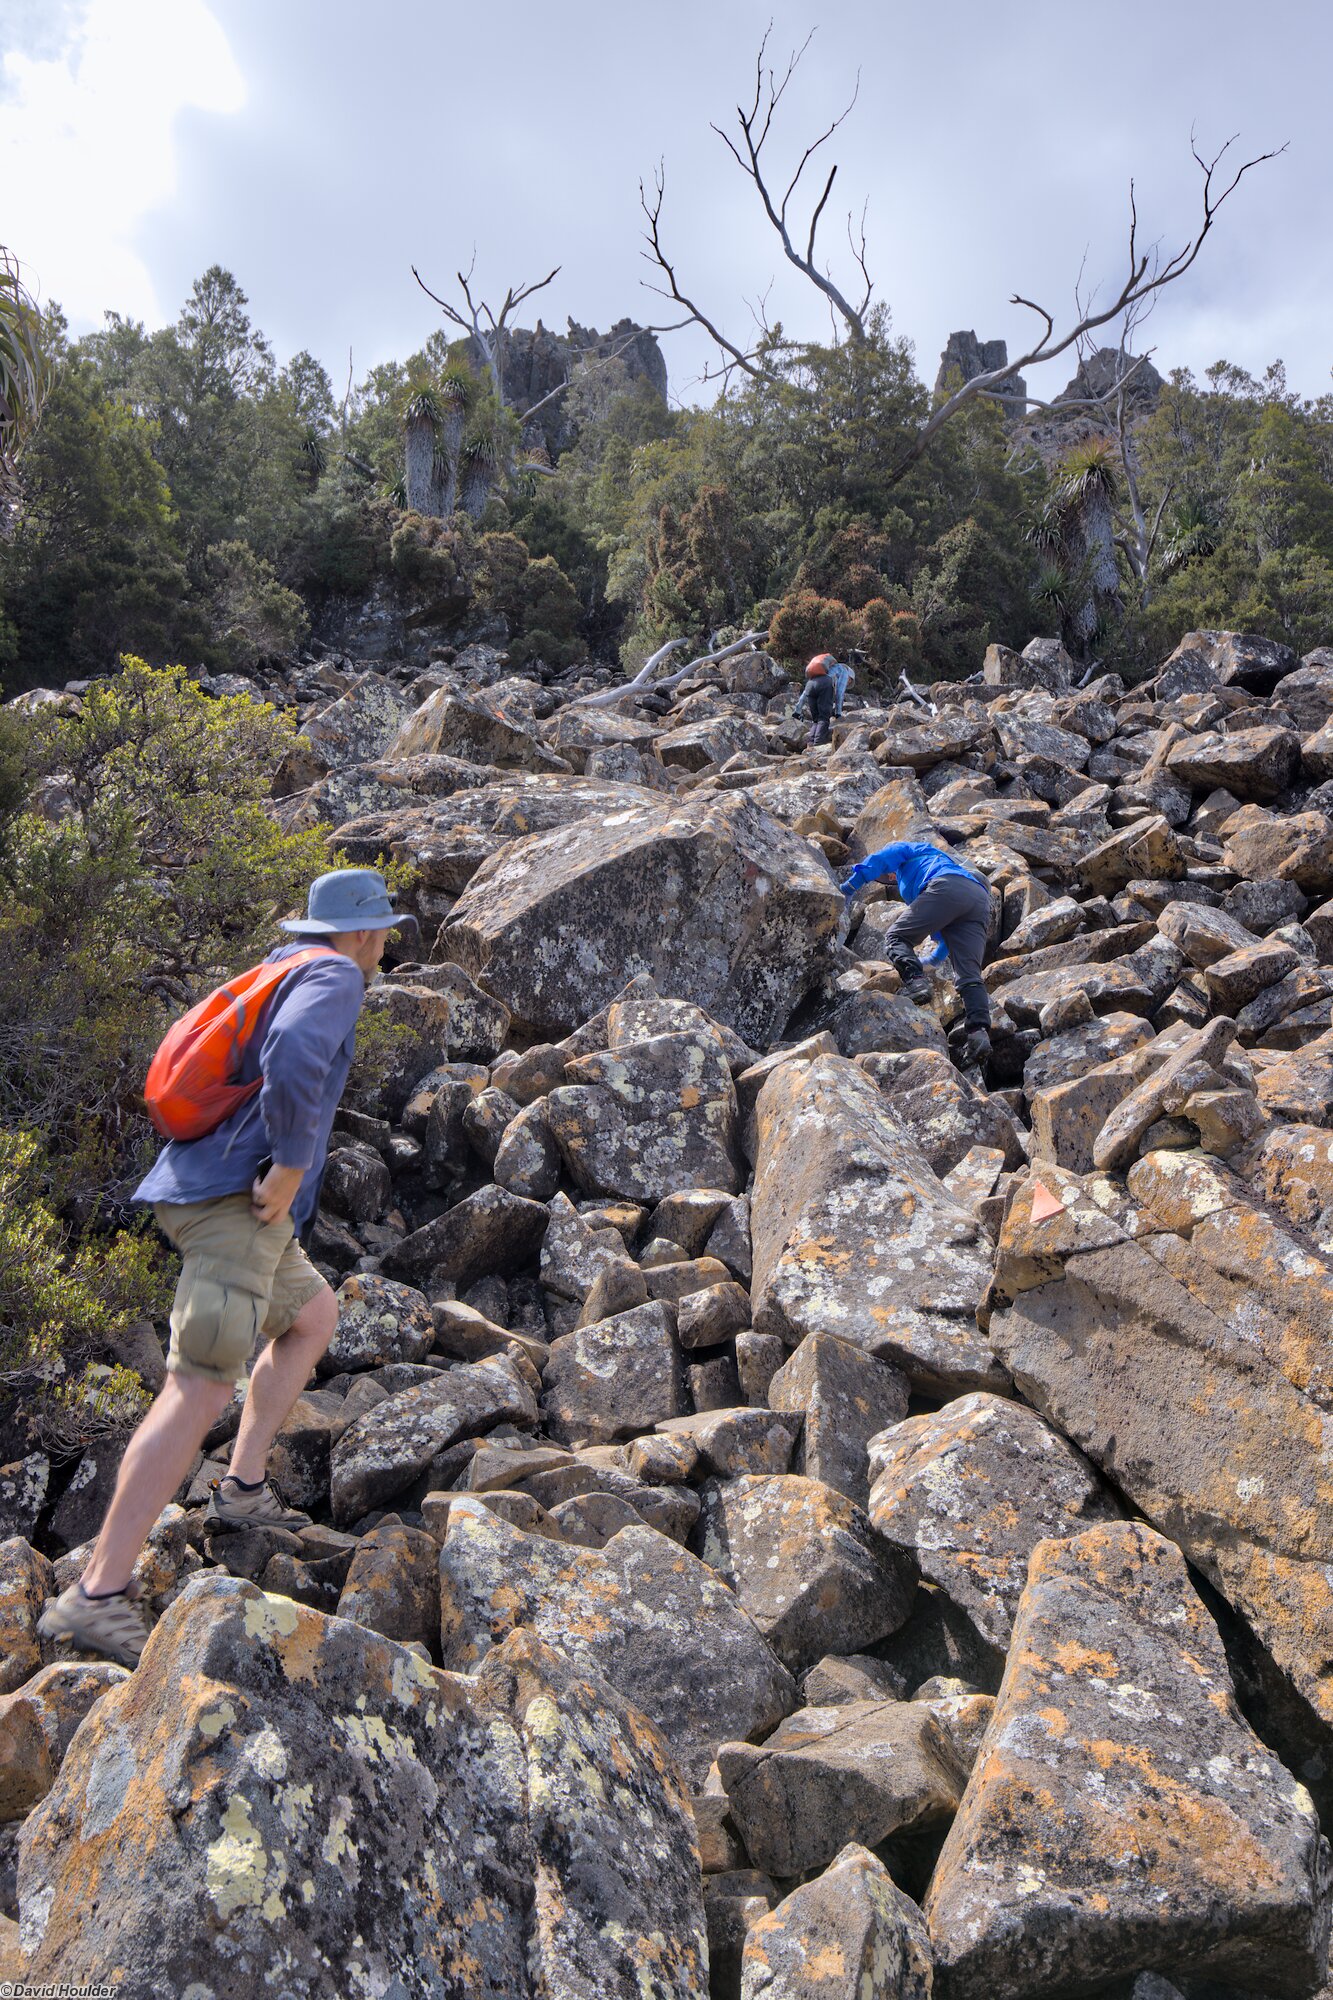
<point x="87" y="146"/>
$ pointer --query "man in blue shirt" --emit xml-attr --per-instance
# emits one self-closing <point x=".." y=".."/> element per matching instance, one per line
<point x="234" y="1203"/>
<point x="947" y="901"/>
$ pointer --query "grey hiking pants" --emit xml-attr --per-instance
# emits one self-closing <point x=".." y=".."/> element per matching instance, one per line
<point x="958" y="909"/>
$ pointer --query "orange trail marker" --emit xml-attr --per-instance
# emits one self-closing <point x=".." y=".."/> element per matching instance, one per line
<point x="1044" y="1203"/>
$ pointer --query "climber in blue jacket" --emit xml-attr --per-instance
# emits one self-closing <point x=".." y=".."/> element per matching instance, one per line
<point x="944" y="900"/>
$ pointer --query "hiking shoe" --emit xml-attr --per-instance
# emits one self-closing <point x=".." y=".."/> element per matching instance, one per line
<point x="113" y="1626"/>
<point x="918" y="988"/>
<point x="231" y="1505"/>
<point x="977" y="1047"/>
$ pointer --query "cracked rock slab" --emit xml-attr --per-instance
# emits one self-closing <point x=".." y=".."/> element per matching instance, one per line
<point x="853" y="1233"/>
<point x="1122" y="1816"/>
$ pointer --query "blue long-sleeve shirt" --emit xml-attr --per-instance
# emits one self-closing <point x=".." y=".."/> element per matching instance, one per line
<point x="913" y="862"/>
<point x="303" y="1051"/>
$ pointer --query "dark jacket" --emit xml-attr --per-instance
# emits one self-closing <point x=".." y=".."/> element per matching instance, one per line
<point x="821" y="698"/>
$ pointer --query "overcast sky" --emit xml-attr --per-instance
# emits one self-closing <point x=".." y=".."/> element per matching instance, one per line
<point x="320" y="147"/>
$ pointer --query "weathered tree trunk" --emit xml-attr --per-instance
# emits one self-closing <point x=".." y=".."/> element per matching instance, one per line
<point x="449" y="446"/>
<point x="478" y="483"/>
<point x="419" y="465"/>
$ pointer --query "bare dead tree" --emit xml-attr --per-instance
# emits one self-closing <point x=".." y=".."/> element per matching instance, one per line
<point x="1147" y="274"/>
<point x="643" y="682"/>
<point x="754" y="128"/>
<point x="488" y="328"/>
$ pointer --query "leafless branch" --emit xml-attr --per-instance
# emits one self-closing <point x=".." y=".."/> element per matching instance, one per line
<point x="755" y="126"/>
<point x="643" y="682"/>
<point x="1145" y="276"/>
<point x="697" y="317"/>
<point x="486" y="327"/>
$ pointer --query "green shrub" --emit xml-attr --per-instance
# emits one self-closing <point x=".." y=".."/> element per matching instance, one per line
<point x="162" y="875"/>
<point x="253" y="618"/>
<point x="61" y="1301"/>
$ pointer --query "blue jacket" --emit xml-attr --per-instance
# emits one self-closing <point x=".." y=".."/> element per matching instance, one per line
<point x="303" y="1051"/>
<point x="914" y="862"/>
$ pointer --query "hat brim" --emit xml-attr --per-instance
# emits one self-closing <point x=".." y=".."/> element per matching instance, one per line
<point x="316" y="927"/>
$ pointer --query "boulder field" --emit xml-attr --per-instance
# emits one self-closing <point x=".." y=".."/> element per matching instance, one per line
<point x="792" y="1519"/>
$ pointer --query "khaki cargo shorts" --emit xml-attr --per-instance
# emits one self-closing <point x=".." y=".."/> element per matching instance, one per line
<point x="239" y="1279"/>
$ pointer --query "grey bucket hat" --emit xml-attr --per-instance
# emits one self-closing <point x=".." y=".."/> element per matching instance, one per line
<point x="348" y="899"/>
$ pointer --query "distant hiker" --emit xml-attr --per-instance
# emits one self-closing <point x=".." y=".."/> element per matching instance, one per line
<point x="819" y="699"/>
<point x="944" y="900"/>
<point x="235" y="1201"/>
<point x="841" y="677"/>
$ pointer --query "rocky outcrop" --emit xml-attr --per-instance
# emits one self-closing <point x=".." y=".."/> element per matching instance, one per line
<point x="965" y="356"/>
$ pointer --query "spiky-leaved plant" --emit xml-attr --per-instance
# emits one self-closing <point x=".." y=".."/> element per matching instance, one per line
<point x="1194" y="533"/>
<point x="26" y="370"/>
<point x="456" y="396"/>
<point x="1087" y="486"/>
<point x="479" y="463"/>
<point x="421" y="428"/>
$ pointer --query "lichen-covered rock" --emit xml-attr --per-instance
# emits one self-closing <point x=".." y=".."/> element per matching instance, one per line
<point x="844" y="1398"/>
<point x="708" y="895"/>
<point x="380" y="1454"/>
<point x="643" y="1614"/>
<point x="849" y="1935"/>
<point x="967" y="1493"/>
<point x="359" y="726"/>
<point x="615" y="1378"/>
<point x="805" y="1563"/>
<point x="37" y="1725"/>
<point x="649" y="1118"/>
<point x="861" y="1770"/>
<point x="946" y="1114"/>
<point x="1123" y="1816"/>
<point x="23" y="1493"/>
<point x="393" y="1584"/>
<point x="447" y="724"/>
<point x="378" y="1321"/>
<point x="853" y="1234"/>
<point x="575" y="1252"/>
<point x="1134" y="1357"/>
<point x="491" y="1232"/>
<point x="26" y="1581"/>
<point x="276" y="1796"/>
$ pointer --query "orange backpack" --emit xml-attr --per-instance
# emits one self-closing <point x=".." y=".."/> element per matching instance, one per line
<point x="189" y="1090"/>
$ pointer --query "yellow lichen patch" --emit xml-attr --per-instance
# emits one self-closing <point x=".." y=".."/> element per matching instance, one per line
<point x="214" y="1720"/>
<point x="269" y="1618"/>
<point x="1073" y="1658"/>
<point x="237" y="1863"/>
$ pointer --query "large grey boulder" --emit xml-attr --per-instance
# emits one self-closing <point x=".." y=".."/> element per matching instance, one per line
<point x="967" y="1493"/>
<point x="851" y="1934"/>
<point x="648" y="1618"/>
<point x="708" y="895"/>
<point x="385" y="1449"/>
<point x="1123" y="1817"/>
<point x="649" y="1118"/>
<point x="281" y="1801"/>
<point x="853" y="1233"/>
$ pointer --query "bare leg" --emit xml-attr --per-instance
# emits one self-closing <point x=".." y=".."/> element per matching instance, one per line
<point x="158" y="1458"/>
<point x="280" y="1374"/>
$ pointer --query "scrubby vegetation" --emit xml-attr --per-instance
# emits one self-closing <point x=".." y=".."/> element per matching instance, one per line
<point x="186" y="498"/>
